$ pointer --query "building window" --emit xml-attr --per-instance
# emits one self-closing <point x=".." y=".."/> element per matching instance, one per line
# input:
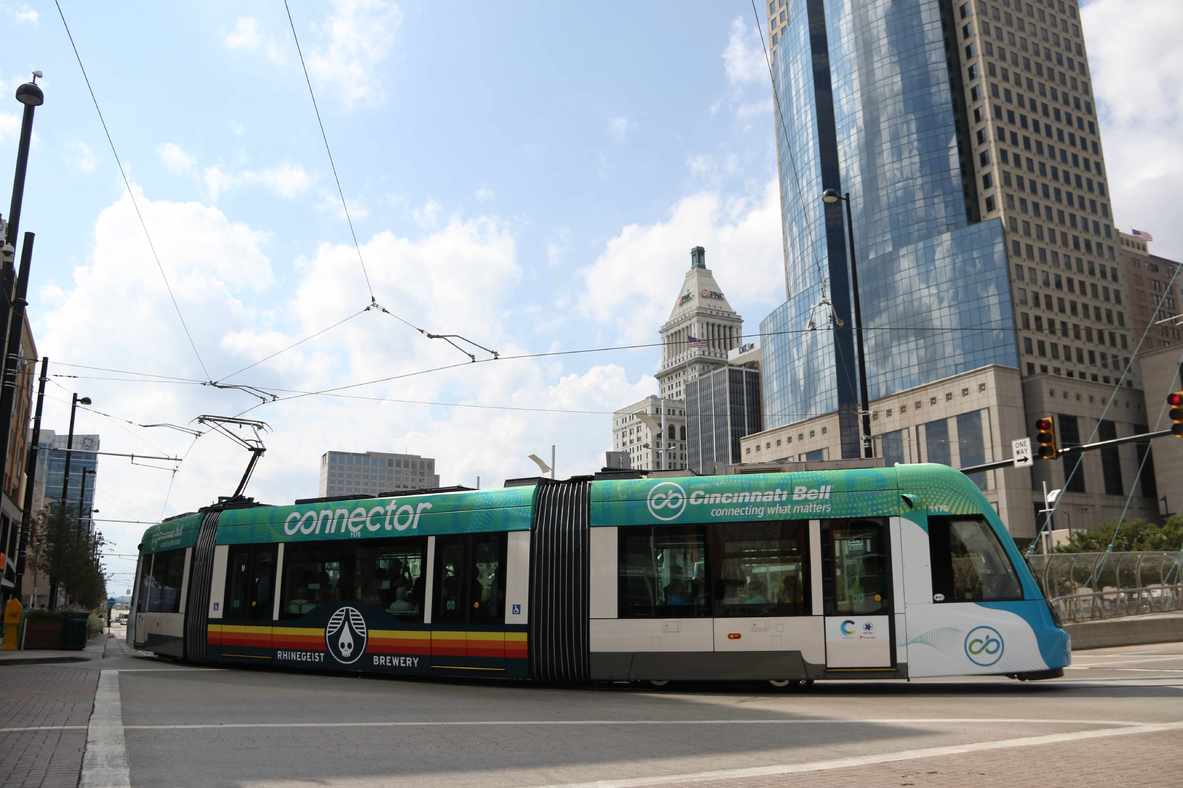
<point x="936" y="441"/>
<point x="1069" y="428"/>
<point x="1110" y="459"/>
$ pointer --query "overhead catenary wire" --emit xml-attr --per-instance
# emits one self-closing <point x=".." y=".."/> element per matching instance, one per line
<point x="297" y="343"/>
<point x="1096" y="428"/>
<point x="1173" y="381"/>
<point x="349" y="216"/>
<point x="130" y="192"/>
<point x="511" y="357"/>
<point x="332" y="163"/>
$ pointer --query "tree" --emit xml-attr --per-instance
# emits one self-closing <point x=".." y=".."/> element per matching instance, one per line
<point x="1133" y="535"/>
<point x="71" y="557"/>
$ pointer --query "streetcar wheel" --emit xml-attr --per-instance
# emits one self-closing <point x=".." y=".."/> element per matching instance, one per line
<point x="658" y="683"/>
<point x="780" y="683"/>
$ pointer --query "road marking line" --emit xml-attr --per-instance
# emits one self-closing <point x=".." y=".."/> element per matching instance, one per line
<point x="32" y="728"/>
<point x="1155" y="658"/>
<point x="1146" y="670"/>
<point x="105" y="762"/>
<point x="871" y="760"/>
<point x="168" y="670"/>
<point x="590" y="723"/>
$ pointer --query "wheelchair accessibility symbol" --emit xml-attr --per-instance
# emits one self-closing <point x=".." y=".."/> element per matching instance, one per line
<point x="984" y="646"/>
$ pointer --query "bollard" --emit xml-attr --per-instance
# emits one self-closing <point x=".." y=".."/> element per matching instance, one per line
<point x="12" y="624"/>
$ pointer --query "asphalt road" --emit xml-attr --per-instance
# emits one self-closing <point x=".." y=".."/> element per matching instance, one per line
<point x="1116" y="718"/>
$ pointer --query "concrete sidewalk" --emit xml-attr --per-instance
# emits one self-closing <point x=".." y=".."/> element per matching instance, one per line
<point x="1129" y="631"/>
<point x="46" y="700"/>
<point x="43" y="722"/>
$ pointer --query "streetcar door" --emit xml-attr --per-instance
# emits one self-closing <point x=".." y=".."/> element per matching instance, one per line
<point x="250" y="589"/>
<point x="857" y="593"/>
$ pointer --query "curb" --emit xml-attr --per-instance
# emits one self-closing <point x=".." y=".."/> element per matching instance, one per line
<point x="42" y="660"/>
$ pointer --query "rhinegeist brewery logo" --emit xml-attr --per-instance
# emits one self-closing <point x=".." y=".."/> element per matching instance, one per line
<point x="346" y="635"/>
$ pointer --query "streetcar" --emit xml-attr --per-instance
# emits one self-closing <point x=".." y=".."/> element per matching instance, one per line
<point x="898" y="573"/>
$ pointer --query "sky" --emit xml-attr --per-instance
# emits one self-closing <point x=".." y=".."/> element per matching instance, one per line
<point x="530" y="175"/>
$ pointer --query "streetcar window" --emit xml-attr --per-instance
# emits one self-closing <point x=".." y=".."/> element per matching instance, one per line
<point x="856" y="567"/>
<point x="470" y="579"/>
<point x="391" y="576"/>
<point x="449" y="606"/>
<point x="144" y="596"/>
<point x="315" y="574"/>
<point x="387" y="574"/>
<point x="663" y="573"/>
<point x="968" y="562"/>
<point x="762" y="570"/>
<point x="486" y="593"/>
<point x="164" y="585"/>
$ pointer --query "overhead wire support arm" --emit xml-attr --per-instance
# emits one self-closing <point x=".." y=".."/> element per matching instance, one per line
<point x="178" y="428"/>
<point x="264" y="396"/>
<point x="253" y="444"/>
<point x="472" y="356"/>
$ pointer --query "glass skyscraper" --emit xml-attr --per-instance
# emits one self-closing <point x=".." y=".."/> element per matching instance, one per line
<point x="868" y="99"/>
<point x="52" y="467"/>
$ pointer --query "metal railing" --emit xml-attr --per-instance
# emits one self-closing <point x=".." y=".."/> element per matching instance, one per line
<point x="1096" y="586"/>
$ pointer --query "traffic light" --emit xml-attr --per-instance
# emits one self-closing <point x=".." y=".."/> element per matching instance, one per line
<point x="1045" y="429"/>
<point x="1175" y="400"/>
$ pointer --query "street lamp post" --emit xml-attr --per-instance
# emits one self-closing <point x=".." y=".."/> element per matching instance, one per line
<point x="53" y="579"/>
<point x="30" y="95"/>
<point x="832" y="197"/>
<point x="84" y="511"/>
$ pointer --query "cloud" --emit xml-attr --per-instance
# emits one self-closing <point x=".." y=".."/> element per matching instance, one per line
<point x="81" y="157"/>
<point x="556" y="248"/>
<point x="743" y="58"/>
<point x="23" y="14"/>
<point x="709" y="167"/>
<point x="175" y="159"/>
<point x="10" y="126"/>
<point x="484" y="194"/>
<point x="284" y="180"/>
<point x="632" y="285"/>
<point x="247" y="36"/>
<point x="1141" y="112"/>
<point x="330" y="203"/>
<point x="619" y="128"/>
<point x="461" y="277"/>
<point x="354" y="40"/>
<point x="427" y="215"/>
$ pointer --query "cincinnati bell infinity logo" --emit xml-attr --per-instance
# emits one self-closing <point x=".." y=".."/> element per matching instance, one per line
<point x="346" y="635"/>
<point x="984" y="646"/>
<point x="666" y="501"/>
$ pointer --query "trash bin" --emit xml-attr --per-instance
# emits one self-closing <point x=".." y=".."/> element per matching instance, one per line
<point x="74" y="630"/>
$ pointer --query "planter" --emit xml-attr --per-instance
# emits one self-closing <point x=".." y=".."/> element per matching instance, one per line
<point x="43" y="633"/>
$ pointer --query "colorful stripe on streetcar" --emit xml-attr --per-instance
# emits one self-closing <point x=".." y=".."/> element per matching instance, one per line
<point x="338" y="646"/>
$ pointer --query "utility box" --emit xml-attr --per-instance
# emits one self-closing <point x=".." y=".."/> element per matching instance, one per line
<point x="12" y="624"/>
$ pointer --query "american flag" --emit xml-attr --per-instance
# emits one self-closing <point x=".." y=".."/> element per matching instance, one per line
<point x="694" y="341"/>
<point x="1142" y="235"/>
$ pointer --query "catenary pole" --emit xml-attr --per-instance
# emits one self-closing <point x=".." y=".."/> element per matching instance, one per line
<point x="864" y="400"/>
<point x="58" y="547"/>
